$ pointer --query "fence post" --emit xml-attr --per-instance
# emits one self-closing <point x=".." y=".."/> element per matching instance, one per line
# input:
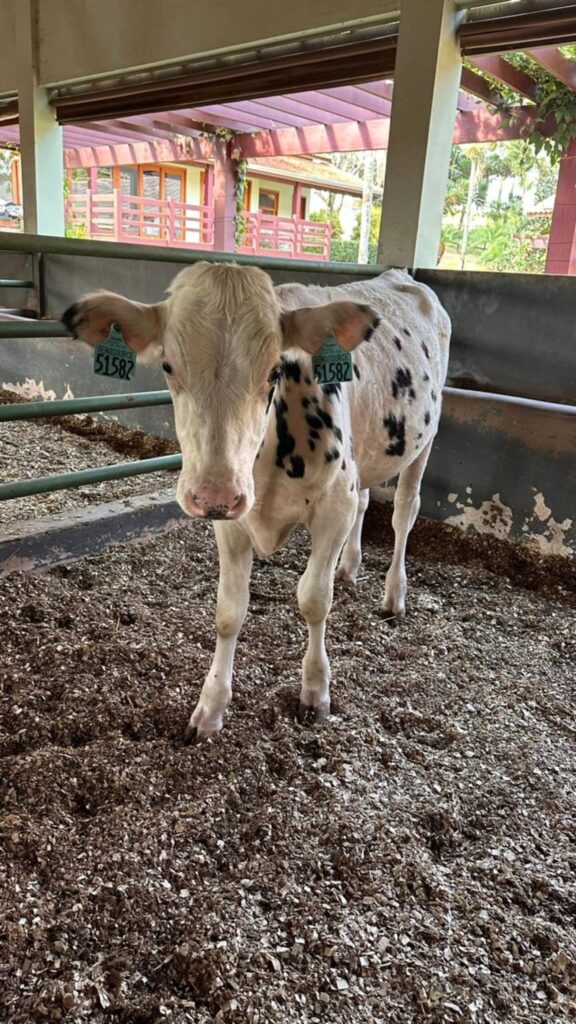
<point x="117" y="214"/>
<point x="171" y="222"/>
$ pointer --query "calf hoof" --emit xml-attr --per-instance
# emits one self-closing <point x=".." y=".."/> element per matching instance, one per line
<point x="200" y="728"/>
<point x="309" y="715"/>
<point x="392" y="618"/>
<point x="346" y="576"/>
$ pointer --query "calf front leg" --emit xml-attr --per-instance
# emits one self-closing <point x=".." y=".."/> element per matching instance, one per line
<point x="329" y="528"/>
<point x="235" y="551"/>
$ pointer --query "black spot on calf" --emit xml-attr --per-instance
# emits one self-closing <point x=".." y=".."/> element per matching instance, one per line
<point x="285" y="442"/>
<point x="425" y="349"/>
<point x="396" y="427"/>
<point x="314" y="421"/>
<point x="426" y="418"/>
<point x="298" y="466"/>
<point x="331" y="455"/>
<point x="357" y="372"/>
<point x="291" y="370"/>
<point x="398" y="344"/>
<point x="402" y="385"/>
<point x="332" y="389"/>
<point x="326" y="418"/>
<point x="305" y="402"/>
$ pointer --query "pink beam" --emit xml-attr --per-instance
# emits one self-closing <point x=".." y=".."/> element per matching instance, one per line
<point x="338" y="105"/>
<point x="550" y="58"/>
<point x="301" y="114"/>
<point x="477" y="86"/>
<point x="160" y="151"/>
<point x="561" y="257"/>
<point x="471" y="126"/>
<point x="504" y="72"/>
<point x="322" y="138"/>
<point x="264" y="112"/>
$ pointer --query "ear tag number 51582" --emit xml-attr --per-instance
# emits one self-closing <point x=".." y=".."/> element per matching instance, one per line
<point x="332" y="364"/>
<point x="113" y="358"/>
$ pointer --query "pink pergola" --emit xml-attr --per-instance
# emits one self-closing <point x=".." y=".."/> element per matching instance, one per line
<point x="329" y="120"/>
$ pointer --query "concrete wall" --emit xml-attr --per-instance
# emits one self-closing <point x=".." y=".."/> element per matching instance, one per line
<point x="85" y="38"/>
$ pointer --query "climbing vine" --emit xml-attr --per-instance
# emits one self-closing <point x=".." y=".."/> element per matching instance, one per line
<point x="240" y="165"/>
<point x="553" y="100"/>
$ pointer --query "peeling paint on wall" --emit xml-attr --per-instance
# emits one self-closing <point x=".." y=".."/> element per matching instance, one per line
<point x="553" y="541"/>
<point x="492" y="516"/>
<point x="496" y="518"/>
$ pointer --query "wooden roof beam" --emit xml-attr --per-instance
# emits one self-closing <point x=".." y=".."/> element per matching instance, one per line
<point x="503" y="72"/>
<point x="550" y="58"/>
<point x="471" y="126"/>
<point x="152" y="152"/>
<point x="477" y="86"/>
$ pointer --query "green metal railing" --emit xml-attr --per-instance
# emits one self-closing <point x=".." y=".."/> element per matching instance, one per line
<point x="50" y="244"/>
<point x="9" y="282"/>
<point x="75" y="406"/>
<point x="62" y="481"/>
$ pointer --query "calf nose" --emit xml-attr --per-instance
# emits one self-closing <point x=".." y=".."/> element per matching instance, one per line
<point x="215" y="502"/>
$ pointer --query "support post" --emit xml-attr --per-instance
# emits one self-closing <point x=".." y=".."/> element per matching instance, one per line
<point x="561" y="256"/>
<point x="426" y="82"/>
<point x="41" y="137"/>
<point x="297" y="199"/>
<point x="224" y="199"/>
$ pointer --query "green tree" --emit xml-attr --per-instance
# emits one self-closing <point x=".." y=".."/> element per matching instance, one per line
<point x="329" y="217"/>
<point x="375" y="216"/>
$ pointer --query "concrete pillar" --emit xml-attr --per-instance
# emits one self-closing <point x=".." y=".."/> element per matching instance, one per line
<point x="426" y="82"/>
<point x="224" y="198"/>
<point x="41" y="139"/>
<point x="561" y="256"/>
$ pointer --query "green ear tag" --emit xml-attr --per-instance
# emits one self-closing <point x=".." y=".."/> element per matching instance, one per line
<point x="113" y="358"/>
<point x="332" y="364"/>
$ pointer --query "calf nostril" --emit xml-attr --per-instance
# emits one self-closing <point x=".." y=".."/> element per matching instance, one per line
<point x="236" y="501"/>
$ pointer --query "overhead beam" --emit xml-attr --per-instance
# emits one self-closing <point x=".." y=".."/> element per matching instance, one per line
<point x="9" y="113"/>
<point x="322" y="138"/>
<point x="549" y="58"/>
<point x="518" y="31"/>
<point x="479" y="125"/>
<point x="153" y="152"/>
<point x="477" y="86"/>
<point x="503" y="72"/>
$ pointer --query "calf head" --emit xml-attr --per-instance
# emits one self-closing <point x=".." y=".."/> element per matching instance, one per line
<point x="219" y="338"/>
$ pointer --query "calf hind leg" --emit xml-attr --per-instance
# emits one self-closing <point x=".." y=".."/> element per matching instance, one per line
<point x="351" y="557"/>
<point x="406" y="508"/>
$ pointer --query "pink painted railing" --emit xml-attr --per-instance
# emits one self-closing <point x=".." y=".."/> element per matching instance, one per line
<point x="122" y="218"/>
<point x="265" y="234"/>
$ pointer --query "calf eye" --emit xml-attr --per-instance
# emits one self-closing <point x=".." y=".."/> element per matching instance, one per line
<point x="275" y="375"/>
<point x="167" y="368"/>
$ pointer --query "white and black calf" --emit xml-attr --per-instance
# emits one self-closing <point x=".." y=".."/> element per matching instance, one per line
<point x="265" y="447"/>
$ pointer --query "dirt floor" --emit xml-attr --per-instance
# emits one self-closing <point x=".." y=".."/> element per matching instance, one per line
<point x="413" y="860"/>
<point x="36" y="448"/>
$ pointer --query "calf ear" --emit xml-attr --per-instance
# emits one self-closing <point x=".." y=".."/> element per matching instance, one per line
<point x="348" y="322"/>
<point x="91" y="319"/>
